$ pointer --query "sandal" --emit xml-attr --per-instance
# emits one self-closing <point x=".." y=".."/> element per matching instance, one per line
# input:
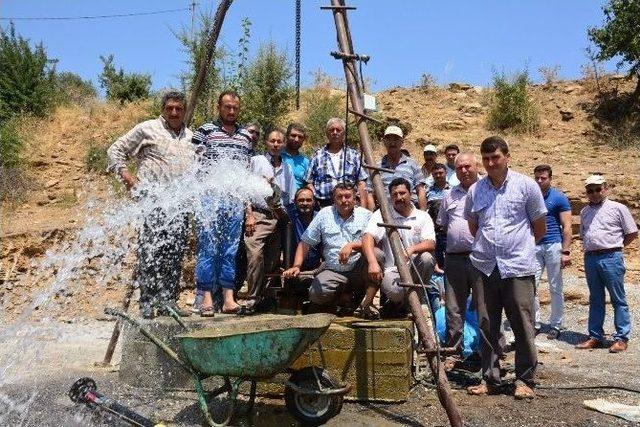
<point x="241" y="310"/>
<point x="207" y="312"/>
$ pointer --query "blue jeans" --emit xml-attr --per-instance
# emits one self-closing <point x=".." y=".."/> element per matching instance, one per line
<point x="218" y="243"/>
<point x="606" y="271"/>
<point x="549" y="256"/>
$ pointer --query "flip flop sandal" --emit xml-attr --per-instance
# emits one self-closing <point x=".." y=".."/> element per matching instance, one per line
<point x="207" y="312"/>
<point x="240" y="311"/>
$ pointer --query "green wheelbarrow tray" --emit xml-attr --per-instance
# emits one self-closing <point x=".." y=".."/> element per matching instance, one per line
<point x="254" y="349"/>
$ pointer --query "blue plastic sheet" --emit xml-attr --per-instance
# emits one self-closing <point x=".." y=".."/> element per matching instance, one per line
<point x="470" y="334"/>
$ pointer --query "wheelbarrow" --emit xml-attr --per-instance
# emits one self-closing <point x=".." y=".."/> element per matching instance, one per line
<point x="256" y="349"/>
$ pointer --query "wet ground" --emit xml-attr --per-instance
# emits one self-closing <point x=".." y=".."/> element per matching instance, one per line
<point x="38" y="367"/>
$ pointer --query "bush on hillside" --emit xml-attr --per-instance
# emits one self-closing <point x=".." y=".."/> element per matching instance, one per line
<point x="96" y="159"/>
<point x="265" y="87"/>
<point x="72" y="89"/>
<point x="511" y="107"/>
<point x="27" y="77"/>
<point x="13" y="182"/>
<point x="321" y="104"/>
<point x="121" y="86"/>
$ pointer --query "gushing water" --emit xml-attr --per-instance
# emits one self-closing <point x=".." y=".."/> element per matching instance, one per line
<point x="101" y="249"/>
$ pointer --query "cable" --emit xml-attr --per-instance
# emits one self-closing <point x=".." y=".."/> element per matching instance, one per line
<point x="68" y="18"/>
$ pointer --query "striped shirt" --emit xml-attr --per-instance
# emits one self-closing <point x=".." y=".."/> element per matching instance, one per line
<point x="504" y="215"/>
<point x="328" y="228"/>
<point x="215" y="144"/>
<point x="159" y="151"/>
<point x="323" y="174"/>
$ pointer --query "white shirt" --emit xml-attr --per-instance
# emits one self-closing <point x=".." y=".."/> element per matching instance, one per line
<point x="421" y="230"/>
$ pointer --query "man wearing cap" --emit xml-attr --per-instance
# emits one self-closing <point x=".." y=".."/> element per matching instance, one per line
<point x="605" y="228"/>
<point x="430" y="153"/>
<point x="506" y="215"/>
<point x="402" y="165"/>
<point x="335" y="163"/>
<point x="553" y="250"/>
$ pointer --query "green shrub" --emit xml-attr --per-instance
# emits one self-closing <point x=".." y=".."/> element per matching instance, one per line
<point x="321" y="105"/>
<point x="72" y="89"/>
<point x="511" y="107"/>
<point x="10" y="143"/>
<point x="13" y="182"/>
<point x="121" y="86"/>
<point x="27" y="77"/>
<point x="265" y="87"/>
<point x="96" y="159"/>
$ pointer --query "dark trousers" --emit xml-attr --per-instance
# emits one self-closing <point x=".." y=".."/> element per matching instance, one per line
<point x="516" y="296"/>
<point x="462" y="280"/>
<point x="161" y="246"/>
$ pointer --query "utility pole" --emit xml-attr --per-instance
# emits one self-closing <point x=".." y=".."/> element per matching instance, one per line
<point x="355" y="88"/>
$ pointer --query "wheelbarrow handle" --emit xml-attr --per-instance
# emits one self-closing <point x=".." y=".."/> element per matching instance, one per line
<point x="152" y="337"/>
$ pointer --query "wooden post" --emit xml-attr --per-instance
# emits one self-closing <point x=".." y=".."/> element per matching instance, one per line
<point x="422" y="321"/>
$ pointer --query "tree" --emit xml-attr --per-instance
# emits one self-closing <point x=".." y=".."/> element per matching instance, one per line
<point x="71" y="88"/>
<point x="266" y="86"/>
<point x="619" y="37"/>
<point x="123" y="86"/>
<point x="26" y="77"/>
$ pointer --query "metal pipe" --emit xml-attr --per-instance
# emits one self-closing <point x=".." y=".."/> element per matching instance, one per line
<point x="423" y="323"/>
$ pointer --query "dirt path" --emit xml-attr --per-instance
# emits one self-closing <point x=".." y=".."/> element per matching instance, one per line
<point x="46" y="358"/>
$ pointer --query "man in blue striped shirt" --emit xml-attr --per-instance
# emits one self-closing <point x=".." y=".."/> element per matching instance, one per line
<point x="219" y="143"/>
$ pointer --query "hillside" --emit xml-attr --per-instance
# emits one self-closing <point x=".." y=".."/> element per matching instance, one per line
<point x="56" y="150"/>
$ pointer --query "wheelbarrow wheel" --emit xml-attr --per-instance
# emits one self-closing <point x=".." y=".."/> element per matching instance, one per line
<point x="312" y="409"/>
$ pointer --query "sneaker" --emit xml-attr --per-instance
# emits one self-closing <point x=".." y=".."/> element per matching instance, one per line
<point x="553" y="334"/>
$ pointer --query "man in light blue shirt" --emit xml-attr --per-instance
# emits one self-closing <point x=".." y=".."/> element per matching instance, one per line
<point x="344" y="282"/>
<point x="450" y="153"/>
<point x="506" y="215"/>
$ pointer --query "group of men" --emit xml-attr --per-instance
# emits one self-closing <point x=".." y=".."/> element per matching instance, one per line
<point x="492" y="235"/>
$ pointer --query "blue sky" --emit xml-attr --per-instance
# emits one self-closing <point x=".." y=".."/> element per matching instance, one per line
<point x="460" y="40"/>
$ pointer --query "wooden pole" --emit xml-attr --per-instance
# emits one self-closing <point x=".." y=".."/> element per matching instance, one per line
<point x="422" y="321"/>
<point x="206" y="61"/>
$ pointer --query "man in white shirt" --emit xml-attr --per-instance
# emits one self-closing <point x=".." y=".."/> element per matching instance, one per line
<point x="419" y="242"/>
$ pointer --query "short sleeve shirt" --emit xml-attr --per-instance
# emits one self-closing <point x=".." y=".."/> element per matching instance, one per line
<point x="451" y="218"/>
<point x="215" y="144"/>
<point x="421" y="230"/>
<point x="604" y="226"/>
<point x="406" y="168"/>
<point x="556" y="202"/>
<point x="299" y="165"/>
<point x="330" y="229"/>
<point x="504" y="215"/>
<point x="262" y="165"/>
<point x="324" y="176"/>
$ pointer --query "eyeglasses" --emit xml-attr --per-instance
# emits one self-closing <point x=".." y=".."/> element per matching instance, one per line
<point x="594" y="190"/>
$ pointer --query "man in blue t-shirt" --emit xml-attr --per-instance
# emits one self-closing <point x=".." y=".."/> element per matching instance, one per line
<point x="294" y="138"/>
<point x="553" y="250"/>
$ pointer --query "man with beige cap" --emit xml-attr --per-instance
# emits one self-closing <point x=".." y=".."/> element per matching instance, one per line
<point x="402" y="165"/>
<point x="430" y="153"/>
<point x="605" y="228"/>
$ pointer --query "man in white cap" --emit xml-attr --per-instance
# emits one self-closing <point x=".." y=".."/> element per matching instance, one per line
<point x="402" y="165"/>
<point x="430" y="153"/>
<point x="605" y="228"/>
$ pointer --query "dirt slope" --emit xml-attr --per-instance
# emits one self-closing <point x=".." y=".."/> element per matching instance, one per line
<point x="57" y="147"/>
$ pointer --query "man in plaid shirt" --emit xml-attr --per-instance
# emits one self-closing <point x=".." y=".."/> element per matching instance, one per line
<point x="334" y="163"/>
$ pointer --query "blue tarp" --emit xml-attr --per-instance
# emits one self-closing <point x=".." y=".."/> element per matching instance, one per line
<point x="471" y="335"/>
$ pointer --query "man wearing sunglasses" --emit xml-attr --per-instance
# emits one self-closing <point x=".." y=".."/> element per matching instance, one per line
<point x="605" y="228"/>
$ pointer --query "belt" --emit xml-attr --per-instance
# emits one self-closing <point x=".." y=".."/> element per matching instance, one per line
<point x="603" y="251"/>
<point x="459" y="253"/>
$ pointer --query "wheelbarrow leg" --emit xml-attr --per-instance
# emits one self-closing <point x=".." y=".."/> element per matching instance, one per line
<point x="231" y="402"/>
<point x="252" y="396"/>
